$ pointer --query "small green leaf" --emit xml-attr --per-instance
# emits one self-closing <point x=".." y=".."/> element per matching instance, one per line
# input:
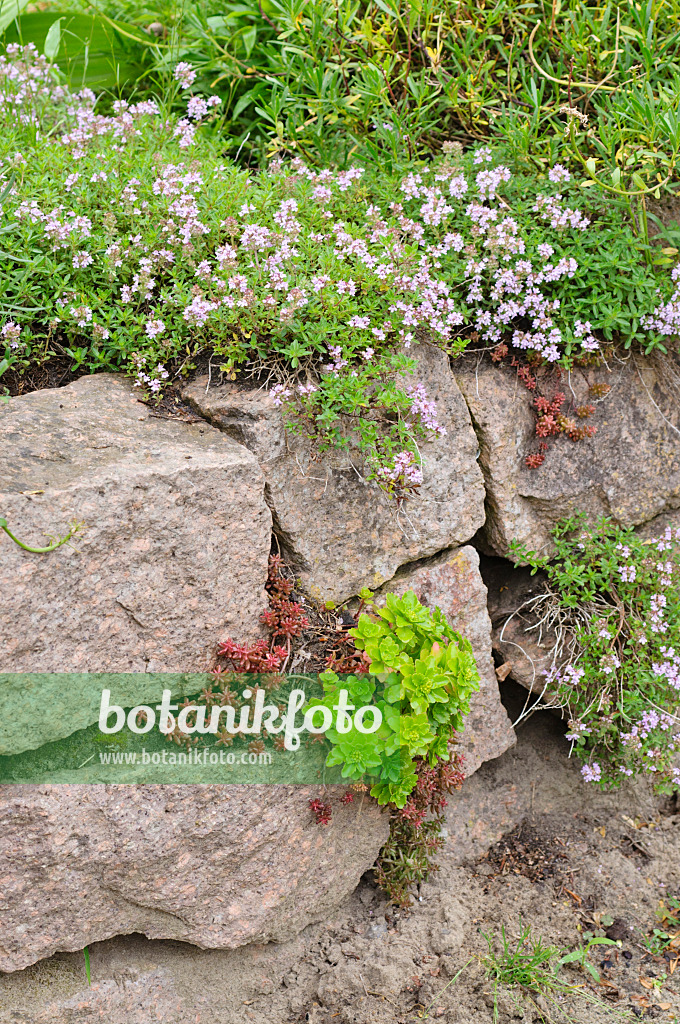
<point x="249" y="38"/>
<point x="53" y="40"/>
<point x="592" y="971"/>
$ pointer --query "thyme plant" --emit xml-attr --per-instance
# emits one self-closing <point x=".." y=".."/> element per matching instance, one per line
<point x="619" y="676"/>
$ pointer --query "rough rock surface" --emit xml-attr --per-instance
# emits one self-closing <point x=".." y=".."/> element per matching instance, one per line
<point x="524" y="652"/>
<point x="341" y="532"/>
<point x="453" y="583"/>
<point x="217" y="866"/>
<point x="657" y="527"/>
<point x="629" y="470"/>
<point x="177" y="534"/>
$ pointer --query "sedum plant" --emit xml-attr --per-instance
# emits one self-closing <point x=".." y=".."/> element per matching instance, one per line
<point x="613" y="599"/>
<point x="420" y="678"/>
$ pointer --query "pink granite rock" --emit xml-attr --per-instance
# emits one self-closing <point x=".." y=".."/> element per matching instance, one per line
<point x="217" y="866"/>
<point x="629" y="470"/>
<point x="177" y="533"/>
<point x="341" y="532"/>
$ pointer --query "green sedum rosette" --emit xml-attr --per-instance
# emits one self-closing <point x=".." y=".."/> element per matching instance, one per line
<point x="421" y="676"/>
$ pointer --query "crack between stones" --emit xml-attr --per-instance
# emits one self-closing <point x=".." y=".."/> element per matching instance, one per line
<point x="480" y="540"/>
<point x="281" y="539"/>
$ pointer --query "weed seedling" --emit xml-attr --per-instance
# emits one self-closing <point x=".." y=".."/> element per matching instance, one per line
<point x="532" y="967"/>
<point x="580" y="956"/>
<point x="529" y="964"/>
<point x="55" y="542"/>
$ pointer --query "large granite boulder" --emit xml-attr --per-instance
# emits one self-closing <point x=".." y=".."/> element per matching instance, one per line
<point x="629" y="470"/>
<point x="173" y="556"/>
<point x="217" y="866"/>
<point x="452" y="582"/>
<point x="340" y="532"/>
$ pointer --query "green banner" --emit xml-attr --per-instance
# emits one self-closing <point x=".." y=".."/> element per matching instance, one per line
<point x="166" y="728"/>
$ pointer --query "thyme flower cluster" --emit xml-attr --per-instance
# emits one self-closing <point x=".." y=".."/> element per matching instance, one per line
<point x="147" y="249"/>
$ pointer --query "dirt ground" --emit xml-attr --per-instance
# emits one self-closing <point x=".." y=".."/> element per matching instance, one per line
<point x="529" y="844"/>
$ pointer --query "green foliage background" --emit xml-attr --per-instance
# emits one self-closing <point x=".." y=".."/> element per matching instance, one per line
<point x="331" y="78"/>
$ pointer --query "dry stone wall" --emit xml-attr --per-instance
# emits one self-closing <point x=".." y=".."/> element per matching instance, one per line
<point x="178" y="525"/>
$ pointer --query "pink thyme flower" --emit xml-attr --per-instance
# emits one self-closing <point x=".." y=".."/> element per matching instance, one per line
<point x="154" y="327"/>
<point x="82" y="259"/>
<point x="559" y="173"/>
<point x="184" y="74"/>
<point x="197" y="108"/>
<point x="591" y="772"/>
